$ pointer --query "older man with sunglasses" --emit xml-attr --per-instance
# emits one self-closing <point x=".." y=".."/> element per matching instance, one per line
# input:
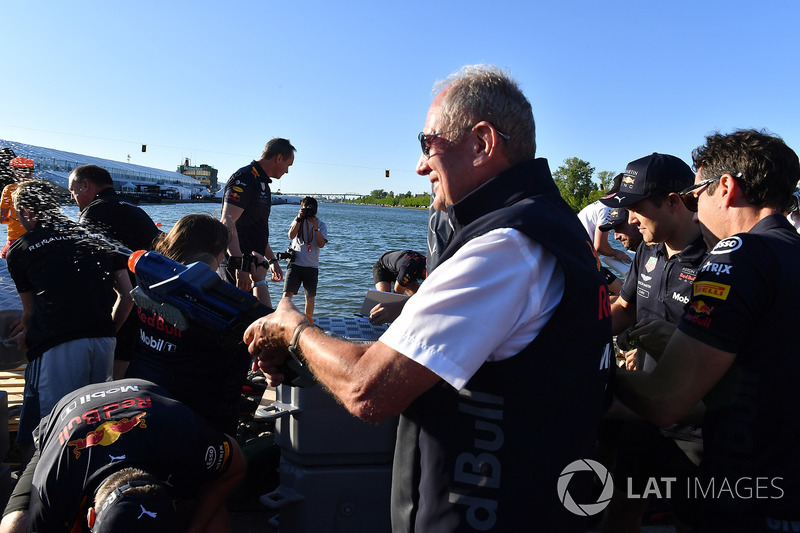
<point x="498" y="395"/>
<point x="736" y="347"/>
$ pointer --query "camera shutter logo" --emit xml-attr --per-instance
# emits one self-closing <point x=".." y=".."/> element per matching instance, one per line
<point x="585" y="465"/>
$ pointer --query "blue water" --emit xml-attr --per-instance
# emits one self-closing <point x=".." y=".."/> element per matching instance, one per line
<point x="357" y="236"/>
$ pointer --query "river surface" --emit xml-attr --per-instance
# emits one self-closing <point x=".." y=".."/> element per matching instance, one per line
<point x="357" y="236"/>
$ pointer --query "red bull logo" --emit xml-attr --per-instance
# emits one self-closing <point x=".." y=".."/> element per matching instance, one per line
<point x="106" y="433"/>
<point x="629" y="180"/>
<point x="254" y="172"/>
<point x="700" y="307"/>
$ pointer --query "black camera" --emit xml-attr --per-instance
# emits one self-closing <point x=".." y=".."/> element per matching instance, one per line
<point x="249" y="259"/>
<point x="308" y="212"/>
<point x="288" y="254"/>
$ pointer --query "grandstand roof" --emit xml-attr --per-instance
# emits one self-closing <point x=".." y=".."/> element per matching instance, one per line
<point x="56" y="165"/>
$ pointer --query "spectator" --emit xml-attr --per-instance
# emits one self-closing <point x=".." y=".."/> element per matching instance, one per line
<point x="478" y="447"/>
<point x="308" y="234"/>
<point x="21" y="169"/>
<point x="104" y="211"/>
<point x="246" y="207"/>
<point x="127" y="451"/>
<point x="399" y="271"/>
<point x="736" y="345"/>
<point x="202" y="369"/>
<point x="66" y="280"/>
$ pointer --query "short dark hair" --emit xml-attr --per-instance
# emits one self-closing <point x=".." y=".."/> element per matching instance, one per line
<point x="309" y="201"/>
<point x="278" y="146"/>
<point x="764" y="166"/>
<point x="94" y="174"/>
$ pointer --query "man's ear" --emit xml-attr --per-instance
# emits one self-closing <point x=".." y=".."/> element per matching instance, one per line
<point x="485" y="143"/>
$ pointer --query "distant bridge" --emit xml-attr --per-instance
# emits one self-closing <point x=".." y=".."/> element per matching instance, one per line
<point x="326" y="196"/>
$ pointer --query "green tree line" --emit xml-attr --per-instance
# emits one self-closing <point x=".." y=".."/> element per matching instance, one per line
<point x="381" y="197"/>
<point x="574" y="181"/>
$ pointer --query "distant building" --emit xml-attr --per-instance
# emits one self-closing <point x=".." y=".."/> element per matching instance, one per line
<point x="205" y="174"/>
<point x="134" y="180"/>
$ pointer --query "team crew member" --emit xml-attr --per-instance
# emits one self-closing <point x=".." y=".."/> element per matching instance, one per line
<point x="399" y="271"/>
<point x="75" y="294"/>
<point x="479" y="447"/>
<point x="104" y="211"/>
<point x="99" y="449"/>
<point x="201" y="368"/>
<point x="246" y="207"/>
<point x="736" y="345"/>
<point x="656" y="289"/>
<point x="21" y="168"/>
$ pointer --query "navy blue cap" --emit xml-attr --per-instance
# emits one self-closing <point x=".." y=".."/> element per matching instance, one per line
<point x="122" y="513"/>
<point x="614" y="217"/>
<point x="653" y="175"/>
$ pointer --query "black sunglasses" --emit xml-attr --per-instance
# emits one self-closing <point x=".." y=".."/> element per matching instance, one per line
<point x="423" y="139"/>
<point x="688" y="196"/>
<point x="426" y="147"/>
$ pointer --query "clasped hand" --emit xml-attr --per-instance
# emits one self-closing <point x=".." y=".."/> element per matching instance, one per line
<point x="268" y="339"/>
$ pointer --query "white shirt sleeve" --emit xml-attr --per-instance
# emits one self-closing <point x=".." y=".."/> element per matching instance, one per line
<point x="486" y="303"/>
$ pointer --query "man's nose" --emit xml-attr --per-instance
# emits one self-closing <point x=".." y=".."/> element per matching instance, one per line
<point x="423" y="169"/>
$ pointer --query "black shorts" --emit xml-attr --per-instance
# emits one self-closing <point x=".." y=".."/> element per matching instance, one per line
<point x="380" y="273"/>
<point x="297" y="275"/>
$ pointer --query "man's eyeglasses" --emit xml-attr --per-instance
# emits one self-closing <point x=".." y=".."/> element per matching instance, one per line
<point x="424" y="140"/>
<point x="689" y="197"/>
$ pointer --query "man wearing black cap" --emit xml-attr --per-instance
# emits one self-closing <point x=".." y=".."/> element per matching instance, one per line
<point x="653" y="297"/>
<point x="624" y="232"/>
<point x="736" y="346"/>
<point x="114" y="456"/>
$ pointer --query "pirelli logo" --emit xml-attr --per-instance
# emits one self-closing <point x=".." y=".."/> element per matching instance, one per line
<point x="711" y="289"/>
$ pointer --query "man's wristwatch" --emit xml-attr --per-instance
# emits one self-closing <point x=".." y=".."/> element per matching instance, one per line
<point x="259" y="283"/>
<point x="272" y="261"/>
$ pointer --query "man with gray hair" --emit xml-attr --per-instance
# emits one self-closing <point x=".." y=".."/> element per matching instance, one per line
<point x="490" y="416"/>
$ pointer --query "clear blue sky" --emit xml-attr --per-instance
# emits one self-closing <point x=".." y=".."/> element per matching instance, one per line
<point x="350" y="82"/>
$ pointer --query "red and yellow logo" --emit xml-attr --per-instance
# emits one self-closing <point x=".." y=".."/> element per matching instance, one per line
<point x="700" y="307"/>
<point x="107" y="433"/>
<point x="711" y="289"/>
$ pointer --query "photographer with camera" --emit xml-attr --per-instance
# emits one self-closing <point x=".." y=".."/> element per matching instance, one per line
<point x="308" y="234"/>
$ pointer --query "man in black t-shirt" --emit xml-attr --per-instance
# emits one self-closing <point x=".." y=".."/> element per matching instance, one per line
<point x="656" y="289"/>
<point x="75" y="294"/>
<point x="246" y="207"/>
<point x="103" y="211"/>
<point x="108" y="439"/>
<point x="399" y="271"/>
<point x="736" y="345"/>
